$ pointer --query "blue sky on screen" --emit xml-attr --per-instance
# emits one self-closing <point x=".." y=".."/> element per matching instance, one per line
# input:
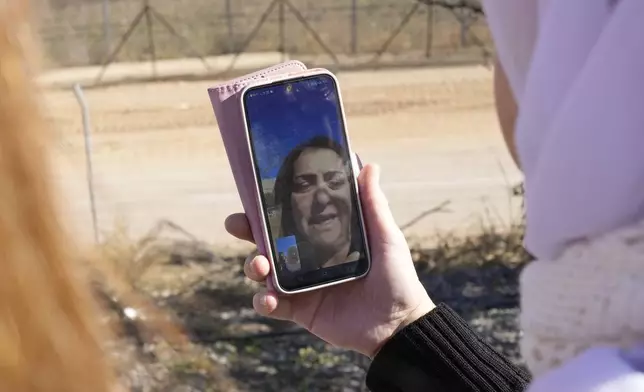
<point x="283" y="243"/>
<point x="280" y="121"/>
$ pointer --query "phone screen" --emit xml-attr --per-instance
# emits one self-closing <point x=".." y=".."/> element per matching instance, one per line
<point x="299" y="145"/>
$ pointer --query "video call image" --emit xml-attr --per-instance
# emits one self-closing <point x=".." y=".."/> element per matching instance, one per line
<point x="304" y="165"/>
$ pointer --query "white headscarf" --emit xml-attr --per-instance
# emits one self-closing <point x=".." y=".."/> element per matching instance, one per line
<point x="575" y="67"/>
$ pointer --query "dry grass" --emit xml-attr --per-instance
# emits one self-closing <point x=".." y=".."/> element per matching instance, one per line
<point x="152" y="352"/>
<point x="491" y="246"/>
<point x="209" y="297"/>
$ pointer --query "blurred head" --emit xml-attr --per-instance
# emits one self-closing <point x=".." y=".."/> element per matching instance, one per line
<point x="293" y="256"/>
<point x="292" y="260"/>
<point x="50" y="339"/>
<point x="313" y="190"/>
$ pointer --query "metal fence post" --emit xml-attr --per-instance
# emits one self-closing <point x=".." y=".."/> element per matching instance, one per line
<point x="354" y="27"/>
<point x="107" y="29"/>
<point x="465" y="21"/>
<point x="232" y="47"/>
<point x="429" y="38"/>
<point x="282" y="32"/>
<point x="80" y="97"/>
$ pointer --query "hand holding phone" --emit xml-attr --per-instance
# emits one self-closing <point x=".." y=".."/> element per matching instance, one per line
<point x="360" y="315"/>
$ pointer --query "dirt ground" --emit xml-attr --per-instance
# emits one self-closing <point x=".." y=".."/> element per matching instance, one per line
<point x="158" y="154"/>
<point x="233" y="349"/>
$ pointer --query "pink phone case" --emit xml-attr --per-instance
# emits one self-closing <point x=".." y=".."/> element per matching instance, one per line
<point x="226" y="103"/>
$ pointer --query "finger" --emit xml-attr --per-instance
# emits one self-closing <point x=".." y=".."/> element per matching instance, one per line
<point x="257" y="268"/>
<point x="238" y="226"/>
<point x="269" y="304"/>
<point x="378" y="216"/>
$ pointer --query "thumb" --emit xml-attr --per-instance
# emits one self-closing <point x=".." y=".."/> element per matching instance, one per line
<point x="380" y="222"/>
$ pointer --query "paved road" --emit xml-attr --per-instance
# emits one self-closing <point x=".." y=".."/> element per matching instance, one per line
<point x="158" y="153"/>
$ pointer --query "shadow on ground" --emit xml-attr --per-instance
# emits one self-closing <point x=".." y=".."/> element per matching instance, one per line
<point x="476" y="276"/>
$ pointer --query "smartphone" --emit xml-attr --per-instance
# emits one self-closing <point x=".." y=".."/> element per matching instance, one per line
<point x="306" y="179"/>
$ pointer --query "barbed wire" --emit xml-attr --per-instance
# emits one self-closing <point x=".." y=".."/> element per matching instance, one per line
<point x="471" y="5"/>
<point x="86" y="35"/>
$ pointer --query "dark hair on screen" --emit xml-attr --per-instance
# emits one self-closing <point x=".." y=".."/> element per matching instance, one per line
<point x="284" y="182"/>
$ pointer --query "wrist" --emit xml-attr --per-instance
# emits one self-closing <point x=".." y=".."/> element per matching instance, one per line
<point x="425" y="306"/>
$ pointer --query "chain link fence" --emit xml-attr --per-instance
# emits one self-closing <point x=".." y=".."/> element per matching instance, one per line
<point x="86" y="32"/>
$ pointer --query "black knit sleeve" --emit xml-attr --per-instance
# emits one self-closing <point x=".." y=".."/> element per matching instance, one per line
<point x="440" y="352"/>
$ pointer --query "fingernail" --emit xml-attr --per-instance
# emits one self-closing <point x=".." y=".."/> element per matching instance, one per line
<point x="376" y="169"/>
<point x="264" y="301"/>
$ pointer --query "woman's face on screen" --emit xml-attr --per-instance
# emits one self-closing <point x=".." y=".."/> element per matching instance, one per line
<point x="321" y="199"/>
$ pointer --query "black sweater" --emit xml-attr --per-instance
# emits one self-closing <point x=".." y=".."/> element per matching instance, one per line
<point x="440" y="352"/>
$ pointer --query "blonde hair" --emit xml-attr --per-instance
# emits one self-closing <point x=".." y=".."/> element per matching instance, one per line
<point x="50" y="336"/>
